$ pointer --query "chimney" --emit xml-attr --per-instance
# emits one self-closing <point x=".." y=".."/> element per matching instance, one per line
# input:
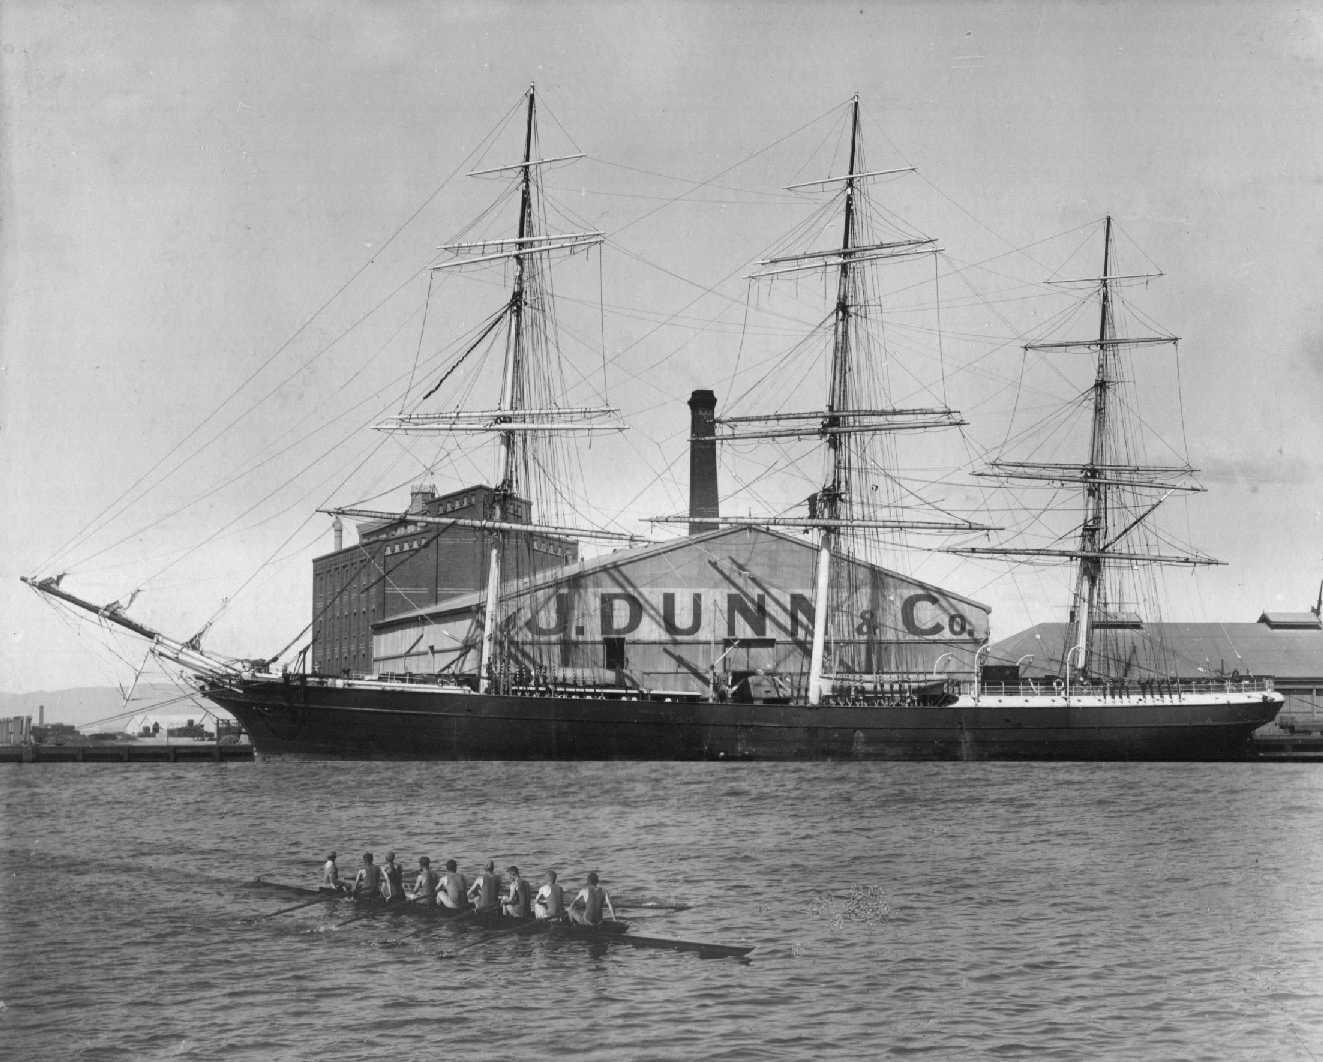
<point x="419" y="496"/>
<point x="703" y="504"/>
<point x="338" y="529"/>
<point x="41" y="715"/>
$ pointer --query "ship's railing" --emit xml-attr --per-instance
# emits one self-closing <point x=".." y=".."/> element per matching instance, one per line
<point x="414" y="678"/>
<point x="940" y="692"/>
<point x="383" y="678"/>
<point x="1154" y="689"/>
<point x="882" y="691"/>
<point x="891" y="691"/>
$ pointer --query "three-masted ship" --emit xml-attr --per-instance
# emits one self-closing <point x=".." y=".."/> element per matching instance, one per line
<point x="503" y="702"/>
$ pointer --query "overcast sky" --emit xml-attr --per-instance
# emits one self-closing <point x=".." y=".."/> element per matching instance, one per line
<point x="184" y="185"/>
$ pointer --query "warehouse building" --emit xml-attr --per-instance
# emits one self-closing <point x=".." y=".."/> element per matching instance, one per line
<point x="670" y="615"/>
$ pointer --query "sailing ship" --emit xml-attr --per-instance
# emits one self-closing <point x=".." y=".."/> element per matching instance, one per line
<point x="502" y="694"/>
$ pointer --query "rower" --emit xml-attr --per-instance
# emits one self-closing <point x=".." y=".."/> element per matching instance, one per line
<point x="331" y="877"/>
<point x="517" y="895"/>
<point x="424" y="886"/>
<point x="550" y="899"/>
<point x="367" y="883"/>
<point x="486" y="890"/>
<point x="593" y="899"/>
<point x="452" y="888"/>
<point x="392" y="880"/>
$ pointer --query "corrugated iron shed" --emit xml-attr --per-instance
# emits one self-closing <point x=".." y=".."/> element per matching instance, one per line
<point x="672" y="614"/>
<point x="1290" y="653"/>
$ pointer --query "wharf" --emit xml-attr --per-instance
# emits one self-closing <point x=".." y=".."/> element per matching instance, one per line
<point x="127" y="752"/>
<point x="1284" y="746"/>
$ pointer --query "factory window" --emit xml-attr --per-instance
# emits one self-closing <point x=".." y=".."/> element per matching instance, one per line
<point x="613" y="653"/>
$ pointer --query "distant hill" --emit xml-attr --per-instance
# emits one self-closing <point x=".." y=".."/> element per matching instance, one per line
<point x="87" y="704"/>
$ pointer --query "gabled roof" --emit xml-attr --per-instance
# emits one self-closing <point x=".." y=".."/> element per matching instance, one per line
<point x="1301" y="620"/>
<point x="550" y="577"/>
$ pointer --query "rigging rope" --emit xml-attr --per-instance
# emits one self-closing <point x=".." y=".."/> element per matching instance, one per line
<point x="127" y="497"/>
<point x="487" y="330"/>
<point x="422" y="331"/>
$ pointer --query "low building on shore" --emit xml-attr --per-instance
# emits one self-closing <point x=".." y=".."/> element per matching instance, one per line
<point x="1284" y="646"/>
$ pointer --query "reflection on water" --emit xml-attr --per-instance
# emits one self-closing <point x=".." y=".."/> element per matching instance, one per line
<point x="1045" y="911"/>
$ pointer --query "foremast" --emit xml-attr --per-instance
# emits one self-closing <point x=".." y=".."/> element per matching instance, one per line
<point x="525" y="410"/>
<point x="512" y="398"/>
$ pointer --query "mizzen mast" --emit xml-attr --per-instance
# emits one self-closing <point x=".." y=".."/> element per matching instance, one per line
<point x="1093" y="530"/>
<point x="1111" y="481"/>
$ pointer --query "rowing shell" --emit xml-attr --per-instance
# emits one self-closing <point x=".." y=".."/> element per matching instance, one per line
<point x="616" y="932"/>
<point x="302" y="890"/>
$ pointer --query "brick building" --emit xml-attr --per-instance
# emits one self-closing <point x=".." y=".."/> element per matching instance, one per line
<point x="403" y="564"/>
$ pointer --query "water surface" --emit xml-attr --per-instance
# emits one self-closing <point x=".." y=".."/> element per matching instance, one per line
<point x="1059" y="911"/>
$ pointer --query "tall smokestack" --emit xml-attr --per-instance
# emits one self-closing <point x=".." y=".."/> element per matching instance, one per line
<point x="338" y="529"/>
<point x="703" y="504"/>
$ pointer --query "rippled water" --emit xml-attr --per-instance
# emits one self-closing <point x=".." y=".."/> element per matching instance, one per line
<point x="1059" y="911"/>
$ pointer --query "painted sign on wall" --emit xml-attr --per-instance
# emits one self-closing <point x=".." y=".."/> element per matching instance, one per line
<point x="658" y="614"/>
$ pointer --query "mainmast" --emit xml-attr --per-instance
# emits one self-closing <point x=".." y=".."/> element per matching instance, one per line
<point x="828" y="500"/>
<point x="857" y="404"/>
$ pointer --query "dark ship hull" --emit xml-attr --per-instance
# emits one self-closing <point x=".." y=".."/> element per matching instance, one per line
<point x="317" y="719"/>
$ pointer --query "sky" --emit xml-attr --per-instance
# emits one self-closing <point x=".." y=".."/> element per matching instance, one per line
<point x="200" y="201"/>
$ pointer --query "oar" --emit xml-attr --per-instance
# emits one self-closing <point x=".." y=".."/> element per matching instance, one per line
<point x="370" y="907"/>
<point x="295" y="907"/>
<point x="261" y="882"/>
<point x="649" y="905"/>
<point x="275" y="886"/>
<point x="367" y="910"/>
<point x="522" y="923"/>
<point x="436" y="915"/>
